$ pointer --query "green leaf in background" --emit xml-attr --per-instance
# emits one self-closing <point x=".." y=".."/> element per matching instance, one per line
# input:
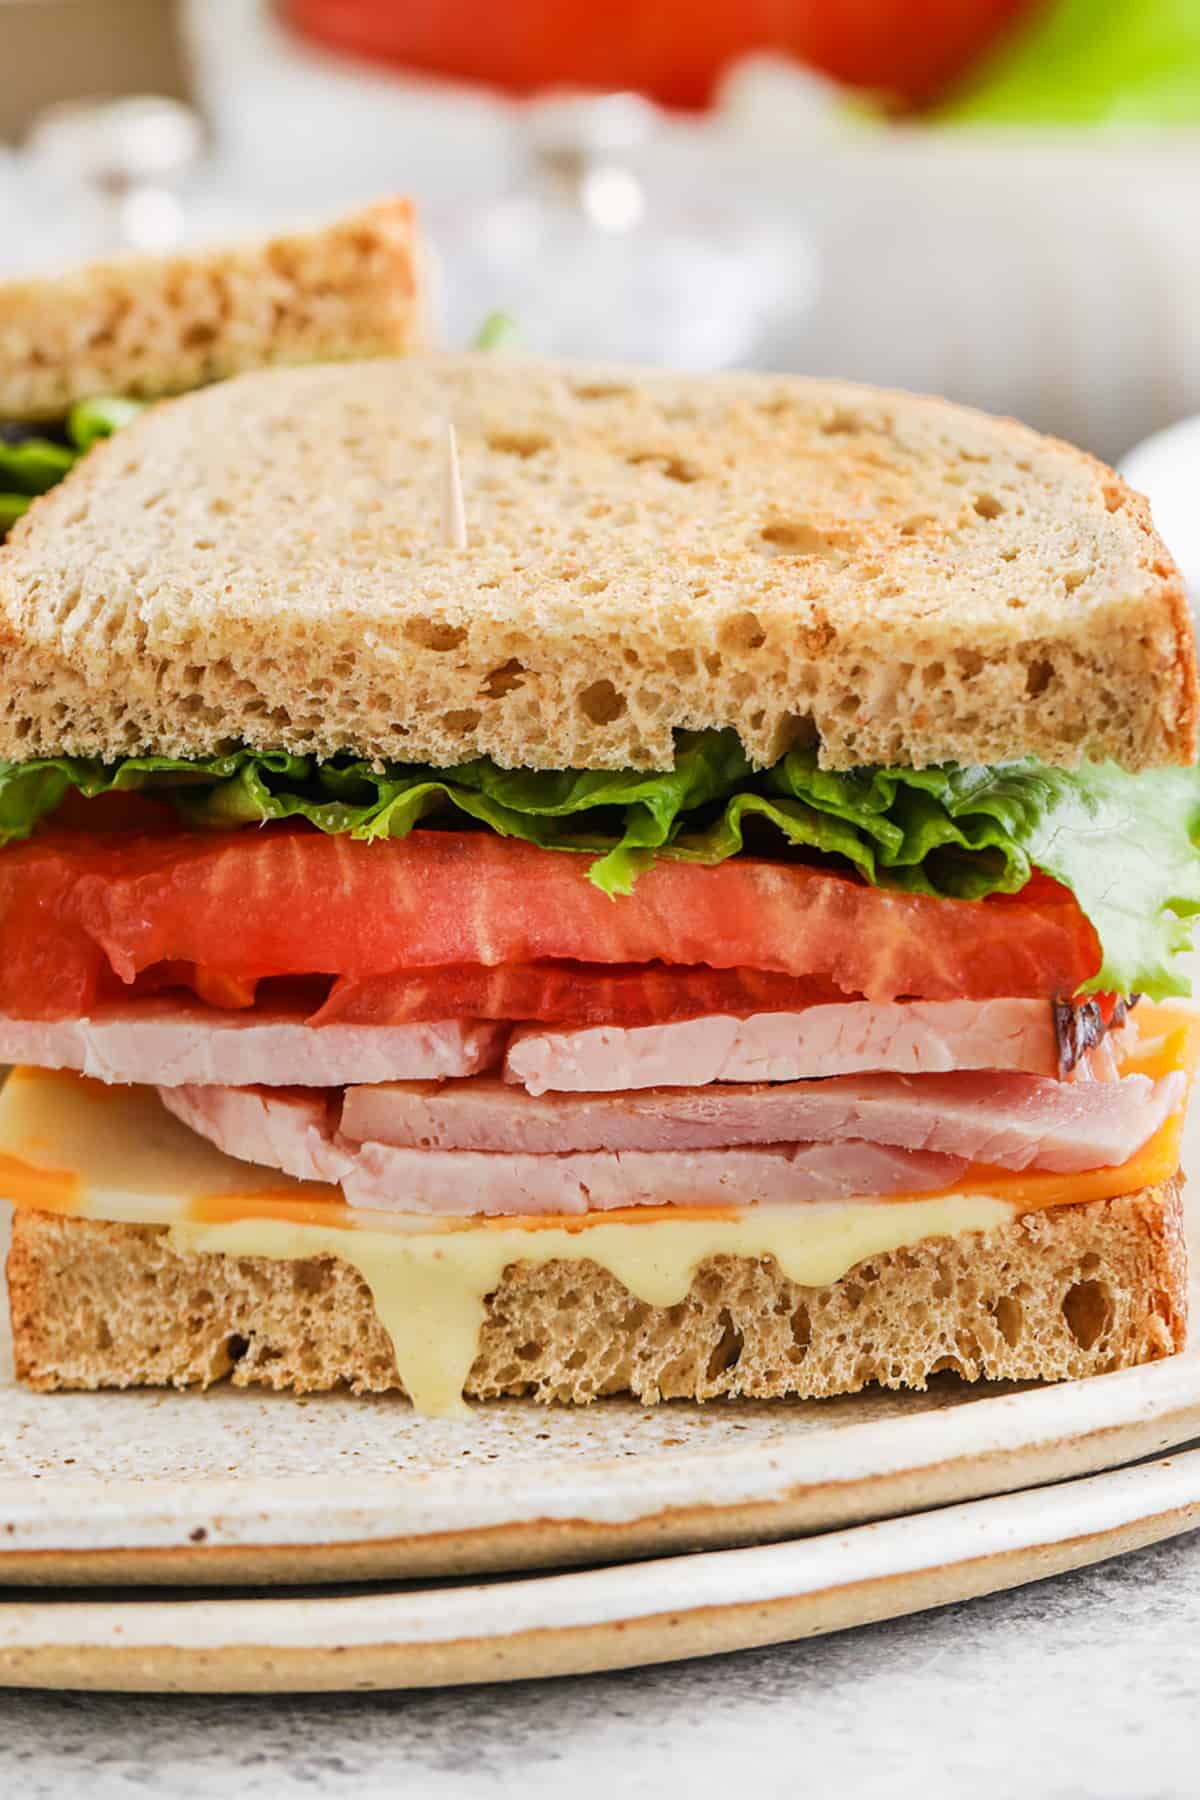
<point x="11" y="508"/>
<point x="1126" y="845"/>
<point x="34" y="464"/>
<point x="90" y="420"/>
<point x="1089" y="62"/>
<point x="31" y="465"/>
<point x="499" y="331"/>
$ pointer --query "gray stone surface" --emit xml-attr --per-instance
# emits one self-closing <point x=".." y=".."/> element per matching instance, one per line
<point x="1082" y="1688"/>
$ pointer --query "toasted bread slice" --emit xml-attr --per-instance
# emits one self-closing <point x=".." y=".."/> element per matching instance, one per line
<point x="145" y="326"/>
<point x="268" y="562"/>
<point x="1077" y="1290"/>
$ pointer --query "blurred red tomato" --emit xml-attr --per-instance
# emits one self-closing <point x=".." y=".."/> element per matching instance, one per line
<point x="673" y="50"/>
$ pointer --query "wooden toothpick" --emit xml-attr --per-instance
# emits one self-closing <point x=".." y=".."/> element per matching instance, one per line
<point x="454" y="516"/>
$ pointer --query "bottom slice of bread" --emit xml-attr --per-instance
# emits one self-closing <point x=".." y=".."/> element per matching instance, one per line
<point x="1075" y="1290"/>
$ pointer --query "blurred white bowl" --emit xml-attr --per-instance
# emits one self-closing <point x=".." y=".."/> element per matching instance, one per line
<point x="1166" y="468"/>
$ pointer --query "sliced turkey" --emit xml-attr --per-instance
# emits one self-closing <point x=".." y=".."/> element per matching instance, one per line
<point x="910" y="1038"/>
<point x="1014" y="1121"/>
<point x="160" y="1042"/>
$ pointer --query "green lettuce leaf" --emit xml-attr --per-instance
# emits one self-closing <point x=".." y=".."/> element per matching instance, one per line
<point x="1126" y="845"/>
<point x="622" y="817"/>
<point x="31" y="464"/>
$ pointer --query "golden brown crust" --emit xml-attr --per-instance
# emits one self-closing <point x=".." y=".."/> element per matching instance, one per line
<point x="146" y="326"/>
<point x="1182" y="685"/>
<point x="1072" y="1291"/>
<point x="898" y="579"/>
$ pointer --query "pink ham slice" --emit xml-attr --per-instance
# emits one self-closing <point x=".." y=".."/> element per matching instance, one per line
<point x="381" y="1177"/>
<point x="478" y="1181"/>
<point x="910" y="1038"/>
<point x="1013" y="1121"/>
<point x="292" y="1129"/>
<point x="480" y="1147"/>
<point x="159" y="1042"/>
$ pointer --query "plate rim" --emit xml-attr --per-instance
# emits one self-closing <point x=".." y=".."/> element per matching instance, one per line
<point x="571" y="1623"/>
<point x="214" y="1529"/>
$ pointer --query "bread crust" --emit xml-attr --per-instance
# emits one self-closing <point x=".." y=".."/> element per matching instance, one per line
<point x="897" y="579"/>
<point x="1069" y="1292"/>
<point x="146" y="326"/>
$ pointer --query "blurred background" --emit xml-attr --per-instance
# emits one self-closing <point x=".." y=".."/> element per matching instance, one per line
<point x="994" y="199"/>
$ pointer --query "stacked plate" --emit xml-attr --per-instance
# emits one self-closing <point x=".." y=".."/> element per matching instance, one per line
<point x="238" y="1542"/>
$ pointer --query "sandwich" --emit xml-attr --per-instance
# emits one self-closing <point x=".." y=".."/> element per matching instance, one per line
<point x="81" y="352"/>
<point x="522" y="879"/>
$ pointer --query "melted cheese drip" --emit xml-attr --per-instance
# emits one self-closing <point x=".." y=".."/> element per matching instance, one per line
<point x="430" y="1288"/>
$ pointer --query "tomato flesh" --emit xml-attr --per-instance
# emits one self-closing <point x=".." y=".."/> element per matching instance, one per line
<point x="568" y="994"/>
<point x="76" y="909"/>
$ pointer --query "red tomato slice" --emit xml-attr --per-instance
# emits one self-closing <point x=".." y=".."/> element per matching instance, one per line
<point x="290" y="901"/>
<point x="229" y="992"/>
<point x="572" y="994"/>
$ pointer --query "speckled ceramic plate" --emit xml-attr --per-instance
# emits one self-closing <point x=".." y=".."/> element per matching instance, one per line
<point x="235" y="1486"/>
<point x="621" y="1617"/>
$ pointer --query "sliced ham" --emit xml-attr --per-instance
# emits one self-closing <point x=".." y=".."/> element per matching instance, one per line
<point x="1012" y="1121"/>
<point x="159" y="1042"/>
<point x="478" y="1181"/>
<point x="296" y="1133"/>
<point x="156" y="1039"/>
<point x="478" y="1146"/>
<point x="911" y="1038"/>
<point x="291" y="1129"/>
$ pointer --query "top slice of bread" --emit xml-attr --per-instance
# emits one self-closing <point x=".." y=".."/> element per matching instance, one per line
<point x="269" y="562"/>
<point x="146" y="326"/>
